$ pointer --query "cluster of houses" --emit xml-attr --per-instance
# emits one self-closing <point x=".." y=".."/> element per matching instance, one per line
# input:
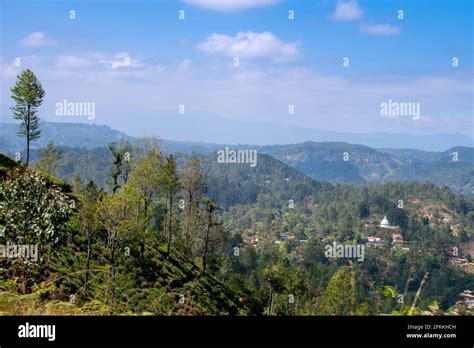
<point x="397" y="238"/>
<point x="444" y="215"/>
<point x="255" y="240"/>
<point x="464" y="264"/>
<point x="432" y="212"/>
<point x="376" y="241"/>
<point x="252" y="240"/>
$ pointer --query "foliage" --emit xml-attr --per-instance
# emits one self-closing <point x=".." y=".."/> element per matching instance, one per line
<point x="28" y="95"/>
<point x="50" y="156"/>
<point x="118" y="258"/>
<point x="340" y="293"/>
<point x="34" y="214"/>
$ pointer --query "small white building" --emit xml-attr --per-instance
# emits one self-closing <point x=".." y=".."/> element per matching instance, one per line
<point x="374" y="239"/>
<point x="384" y="223"/>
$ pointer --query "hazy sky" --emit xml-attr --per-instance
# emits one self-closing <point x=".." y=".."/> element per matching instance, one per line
<point x="138" y="61"/>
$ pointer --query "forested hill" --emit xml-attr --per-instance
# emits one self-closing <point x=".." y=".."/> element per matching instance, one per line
<point x="137" y="250"/>
<point x="78" y="135"/>
<point x="336" y="161"/>
<point x="464" y="153"/>
<point x="342" y="162"/>
<point x="176" y="283"/>
<point x="231" y="184"/>
<point x="86" y="155"/>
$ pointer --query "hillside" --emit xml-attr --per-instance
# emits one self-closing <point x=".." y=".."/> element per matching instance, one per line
<point x="227" y="183"/>
<point x="6" y="164"/>
<point x="63" y="134"/>
<point x="86" y="155"/>
<point x="325" y="161"/>
<point x="176" y="283"/>
<point x="336" y="162"/>
<point x="464" y="153"/>
<point x="231" y="184"/>
<point x="265" y="245"/>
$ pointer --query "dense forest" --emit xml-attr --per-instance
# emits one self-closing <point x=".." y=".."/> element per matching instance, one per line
<point x="148" y="231"/>
<point x="85" y="153"/>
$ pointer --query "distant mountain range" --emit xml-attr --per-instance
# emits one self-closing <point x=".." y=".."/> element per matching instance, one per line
<point x="334" y="162"/>
<point x="211" y="128"/>
<point x="63" y="134"/>
<point x="343" y="162"/>
<point x="217" y="130"/>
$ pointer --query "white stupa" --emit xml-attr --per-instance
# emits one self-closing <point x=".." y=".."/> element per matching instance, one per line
<point x="384" y="223"/>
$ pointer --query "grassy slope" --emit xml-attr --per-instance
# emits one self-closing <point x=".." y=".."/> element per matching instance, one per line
<point x="173" y="278"/>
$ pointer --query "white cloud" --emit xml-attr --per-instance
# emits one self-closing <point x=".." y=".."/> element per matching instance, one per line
<point x="254" y="94"/>
<point x="185" y="65"/>
<point x="36" y="40"/>
<point x="87" y="66"/>
<point x="230" y="5"/>
<point x="347" y="11"/>
<point x="118" y="60"/>
<point x="249" y="45"/>
<point x="96" y="60"/>
<point x="121" y="60"/>
<point x="380" y="29"/>
<point x="72" y="62"/>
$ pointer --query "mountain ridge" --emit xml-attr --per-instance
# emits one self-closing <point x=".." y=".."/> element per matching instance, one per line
<point x="331" y="161"/>
<point x="197" y="133"/>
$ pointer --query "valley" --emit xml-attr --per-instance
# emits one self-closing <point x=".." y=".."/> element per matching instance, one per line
<point x="272" y="225"/>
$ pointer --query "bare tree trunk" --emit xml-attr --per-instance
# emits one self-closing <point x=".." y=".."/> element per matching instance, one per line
<point x="88" y="262"/>
<point x="409" y="280"/>
<point x="170" y="219"/>
<point x="423" y="281"/>
<point x="28" y="136"/>
<point x="353" y="284"/>
<point x="186" y="233"/>
<point x="113" y="273"/>
<point x="271" y="301"/>
<point x="24" y="282"/>
<point x="206" y="243"/>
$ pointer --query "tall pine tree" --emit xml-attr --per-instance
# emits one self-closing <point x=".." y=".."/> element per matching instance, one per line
<point x="28" y="95"/>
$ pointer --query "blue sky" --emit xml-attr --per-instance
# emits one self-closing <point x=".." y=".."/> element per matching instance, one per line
<point x="282" y="62"/>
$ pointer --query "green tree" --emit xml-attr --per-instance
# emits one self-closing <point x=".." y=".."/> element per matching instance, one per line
<point x="77" y="184"/>
<point x="363" y="209"/>
<point x="248" y="259"/>
<point x="87" y="223"/>
<point x="33" y="212"/>
<point x="28" y="95"/>
<point x="398" y="217"/>
<point x="192" y="185"/>
<point x="275" y="277"/>
<point x="121" y="152"/>
<point x="118" y="220"/>
<point x="212" y="231"/>
<point x="170" y="185"/>
<point x="340" y="293"/>
<point x="146" y="177"/>
<point x="49" y="158"/>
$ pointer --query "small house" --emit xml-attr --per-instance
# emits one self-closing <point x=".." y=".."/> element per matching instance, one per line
<point x="252" y="240"/>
